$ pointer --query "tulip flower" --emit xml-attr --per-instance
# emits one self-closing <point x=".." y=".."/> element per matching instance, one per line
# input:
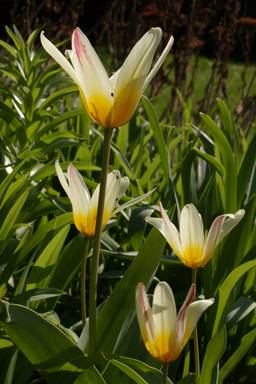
<point x="112" y="101"/>
<point x="190" y="244"/>
<point x="163" y="331"/>
<point x="84" y="206"/>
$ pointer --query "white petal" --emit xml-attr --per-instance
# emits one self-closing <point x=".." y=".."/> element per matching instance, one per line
<point x="58" y="56"/>
<point x="230" y="221"/>
<point x="113" y="187"/>
<point x="212" y="239"/>
<point x="112" y="192"/>
<point x="191" y="228"/>
<point x="114" y="77"/>
<point x="159" y="62"/>
<point x="80" y="197"/>
<point x="92" y="76"/>
<point x="194" y="312"/>
<point x="171" y="234"/>
<point x="137" y="65"/>
<point x="164" y="313"/>
<point x="130" y="79"/>
<point x="144" y="314"/>
<point x="133" y="201"/>
<point x="181" y="323"/>
<point x="62" y="179"/>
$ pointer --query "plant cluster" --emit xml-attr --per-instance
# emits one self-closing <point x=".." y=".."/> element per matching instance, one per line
<point x="68" y="307"/>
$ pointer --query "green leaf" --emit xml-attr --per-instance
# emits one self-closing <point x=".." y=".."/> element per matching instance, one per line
<point x="230" y="178"/>
<point x="190" y="378"/>
<point x="43" y="268"/>
<point x="242" y="307"/>
<point x="149" y="373"/>
<point x="9" y="221"/>
<point x="211" y="160"/>
<point x="226" y="119"/>
<point x="90" y="376"/>
<point x="129" y="372"/>
<point x="11" y="369"/>
<point x="158" y="134"/>
<point x="246" y="170"/>
<point x="226" y="289"/>
<point x="118" y="309"/>
<point x="57" y="95"/>
<point x="45" y="345"/>
<point x="214" y="351"/>
<point x="246" y="342"/>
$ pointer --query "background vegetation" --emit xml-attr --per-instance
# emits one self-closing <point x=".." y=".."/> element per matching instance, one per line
<point x="207" y="159"/>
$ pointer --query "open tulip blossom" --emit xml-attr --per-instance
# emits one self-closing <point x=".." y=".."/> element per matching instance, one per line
<point x="163" y="331"/>
<point x="110" y="101"/>
<point x="190" y="244"/>
<point x="84" y="206"/>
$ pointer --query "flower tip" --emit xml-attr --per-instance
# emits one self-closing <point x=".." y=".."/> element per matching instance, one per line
<point x="71" y="168"/>
<point x="42" y="38"/>
<point x="241" y="213"/>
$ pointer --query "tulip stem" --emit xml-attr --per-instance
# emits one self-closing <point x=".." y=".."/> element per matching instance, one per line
<point x="83" y="280"/>
<point x="165" y="373"/>
<point x="195" y="334"/>
<point x="96" y="248"/>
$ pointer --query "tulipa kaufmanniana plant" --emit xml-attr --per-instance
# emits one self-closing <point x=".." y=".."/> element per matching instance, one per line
<point x="110" y="102"/>
<point x="190" y="244"/>
<point x="85" y="206"/>
<point x="163" y="331"/>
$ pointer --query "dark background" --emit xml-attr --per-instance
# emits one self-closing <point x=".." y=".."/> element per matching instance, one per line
<point x="207" y="26"/>
<point x="223" y="31"/>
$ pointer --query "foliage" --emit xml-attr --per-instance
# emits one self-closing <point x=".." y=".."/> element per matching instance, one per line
<point x="210" y="163"/>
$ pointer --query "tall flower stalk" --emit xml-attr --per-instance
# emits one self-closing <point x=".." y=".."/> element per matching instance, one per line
<point x="195" y="333"/>
<point x="96" y="248"/>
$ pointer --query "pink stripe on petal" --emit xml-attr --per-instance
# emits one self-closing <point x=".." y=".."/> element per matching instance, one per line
<point x="181" y="323"/>
<point x="80" y="47"/>
<point x="171" y="234"/>
<point x="212" y="239"/>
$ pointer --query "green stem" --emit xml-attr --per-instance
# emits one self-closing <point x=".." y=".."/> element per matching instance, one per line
<point x="83" y="280"/>
<point x="96" y="248"/>
<point x="165" y="373"/>
<point x="195" y="334"/>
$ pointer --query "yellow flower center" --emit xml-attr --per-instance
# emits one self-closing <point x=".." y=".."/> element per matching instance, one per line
<point x="99" y="107"/>
<point x="125" y="102"/>
<point x="192" y="256"/>
<point x="87" y="224"/>
<point x="161" y="348"/>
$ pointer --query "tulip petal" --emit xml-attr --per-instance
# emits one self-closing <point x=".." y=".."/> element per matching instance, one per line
<point x="144" y="315"/>
<point x="194" y="312"/>
<point x="220" y="227"/>
<point x="62" y="179"/>
<point x="159" y="62"/>
<point x="212" y="239"/>
<point x="164" y="318"/>
<point x="132" y="202"/>
<point x="230" y="221"/>
<point x="180" y="327"/>
<point x="93" y="79"/>
<point x="191" y="235"/>
<point x="168" y="230"/>
<point x="58" y="56"/>
<point x="129" y="80"/>
<point x="80" y="197"/>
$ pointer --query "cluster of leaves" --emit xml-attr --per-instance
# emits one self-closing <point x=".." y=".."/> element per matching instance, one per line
<point x="211" y="164"/>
